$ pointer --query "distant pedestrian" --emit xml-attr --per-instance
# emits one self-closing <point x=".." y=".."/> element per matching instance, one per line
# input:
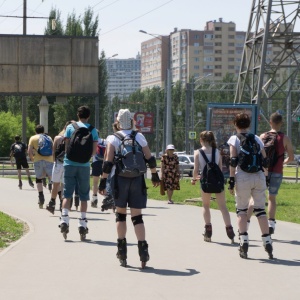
<point x="127" y="182"/>
<point x="58" y="168"/>
<point x="40" y="152"/>
<point x="80" y="143"/>
<point x="247" y="160"/>
<point x="282" y="145"/>
<point x="97" y="168"/>
<point x="170" y="173"/>
<point x="212" y="154"/>
<point x="18" y="150"/>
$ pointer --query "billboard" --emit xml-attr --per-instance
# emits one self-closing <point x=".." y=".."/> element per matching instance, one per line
<point x="48" y="65"/>
<point x="144" y="121"/>
<point x="220" y="121"/>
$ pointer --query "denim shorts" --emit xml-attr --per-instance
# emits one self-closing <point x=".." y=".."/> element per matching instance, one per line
<point x="275" y="182"/>
<point x="129" y="191"/>
<point x="80" y="175"/>
<point x="43" y="168"/>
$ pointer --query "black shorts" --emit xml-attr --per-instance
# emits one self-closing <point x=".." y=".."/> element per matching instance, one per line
<point x="97" y="168"/>
<point x="129" y="191"/>
<point x="22" y="163"/>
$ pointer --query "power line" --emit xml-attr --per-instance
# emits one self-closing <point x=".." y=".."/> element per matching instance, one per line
<point x="106" y="5"/>
<point x="137" y="17"/>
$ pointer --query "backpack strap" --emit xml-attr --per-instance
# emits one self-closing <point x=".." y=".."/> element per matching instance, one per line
<point x="75" y="125"/>
<point x="213" y="159"/>
<point x="119" y="135"/>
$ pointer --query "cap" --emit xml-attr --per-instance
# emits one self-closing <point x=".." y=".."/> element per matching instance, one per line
<point x="170" y="147"/>
<point x="124" y="118"/>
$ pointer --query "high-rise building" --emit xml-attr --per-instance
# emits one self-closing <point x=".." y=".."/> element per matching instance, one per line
<point x="124" y="76"/>
<point x="214" y="51"/>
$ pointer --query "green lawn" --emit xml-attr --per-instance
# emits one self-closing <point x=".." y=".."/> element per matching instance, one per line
<point x="10" y="230"/>
<point x="288" y="204"/>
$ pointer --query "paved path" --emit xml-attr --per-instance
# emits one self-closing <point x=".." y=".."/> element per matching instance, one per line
<point x="44" y="266"/>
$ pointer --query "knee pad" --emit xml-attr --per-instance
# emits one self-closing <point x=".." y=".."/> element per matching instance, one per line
<point x="137" y="220"/>
<point x="233" y="161"/>
<point x="38" y="180"/>
<point x="259" y="212"/>
<point x="107" y="167"/>
<point x="241" y="211"/>
<point x="120" y="217"/>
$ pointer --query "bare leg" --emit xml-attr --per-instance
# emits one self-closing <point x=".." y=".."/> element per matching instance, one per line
<point x="121" y="226"/>
<point x="263" y="224"/>
<point x="95" y="184"/>
<point x="206" y="207"/>
<point x="250" y="209"/>
<point x="19" y="174"/>
<point x="170" y="194"/>
<point x="242" y="223"/>
<point x="223" y="208"/>
<point x="272" y="207"/>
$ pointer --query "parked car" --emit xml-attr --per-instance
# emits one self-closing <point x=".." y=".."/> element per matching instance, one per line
<point x="186" y="164"/>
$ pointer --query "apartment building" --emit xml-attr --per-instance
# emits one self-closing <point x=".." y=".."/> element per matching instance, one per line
<point x="214" y="51"/>
<point x="124" y="76"/>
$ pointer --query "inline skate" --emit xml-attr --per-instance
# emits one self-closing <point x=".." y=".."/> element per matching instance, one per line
<point x="143" y="253"/>
<point x="82" y="227"/>
<point x="207" y="233"/>
<point x="122" y="252"/>
<point x="64" y="225"/>
<point x="267" y="242"/>
<point x="41" y="201"/>
<point x="51" y="206"/>
<point x="20" y="184"/>
<point x="230" y="233"/>
<point x="108" y="203"/>
<point x="272" y="224"/>
<point x="244" y="244"/>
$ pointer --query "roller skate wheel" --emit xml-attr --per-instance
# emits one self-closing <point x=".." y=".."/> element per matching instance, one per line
<point x="65" y="235"/>
<point x="143" y="264"/>
<point x="123" y="263"/>
<point x="271" y="256"/>
<point x="207" y="239"/>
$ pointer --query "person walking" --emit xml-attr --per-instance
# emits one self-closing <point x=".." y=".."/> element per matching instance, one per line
<point x="128" y="183"/>
<point x="80" y="143"/>
<point x="247" y="180"/>
<point x="97" y="168"/>
<point x="282" y="145"/>
<point x="170" y="173"/>
<point x="58" y="169"/>
<point x="18" y="150"/>
<point x="212" y="154"/>
<point x="40" y="152"/>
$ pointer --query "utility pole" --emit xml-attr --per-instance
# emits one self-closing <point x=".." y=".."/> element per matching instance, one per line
<point x="24" y="100"/>
<point x="157" y="124"/>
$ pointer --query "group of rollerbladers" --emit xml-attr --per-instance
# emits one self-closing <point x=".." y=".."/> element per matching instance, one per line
<point x="67" y="167"/>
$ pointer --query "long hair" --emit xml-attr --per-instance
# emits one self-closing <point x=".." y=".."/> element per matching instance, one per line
<point x="208" y="137"/>
<point x="62" y="133"/>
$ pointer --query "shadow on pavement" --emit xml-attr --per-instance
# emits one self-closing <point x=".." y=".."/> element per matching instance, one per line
<point x="164" y="272"/>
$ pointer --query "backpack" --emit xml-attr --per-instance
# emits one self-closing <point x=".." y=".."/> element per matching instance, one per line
<point x="212" y="178"/>
<point x="18" y="150"/>
<point x="101" y="147"/>
<point x="60" y="150"/>
<point x="80" y="147"/>
<point x="45" y="145"/>
<point x="250" y="157"/>
<point x="129" y="157"/>
<point x="270" y="142"/>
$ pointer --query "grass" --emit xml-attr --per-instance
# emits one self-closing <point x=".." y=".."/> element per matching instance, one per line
<point x="288" y="204"/>
<point x="10" y="230"/>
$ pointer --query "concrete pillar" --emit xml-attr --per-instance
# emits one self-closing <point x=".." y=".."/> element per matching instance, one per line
<point x="44" y="109"/>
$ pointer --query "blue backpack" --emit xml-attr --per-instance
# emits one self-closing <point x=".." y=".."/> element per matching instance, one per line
<point x="44" y="145"/>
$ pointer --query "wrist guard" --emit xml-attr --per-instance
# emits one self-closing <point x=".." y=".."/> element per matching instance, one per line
<point x="151" y="162"/>
<point x="107" y="167"/>
<point x="102" y="185"/>
<point x="231" y="183"/>
<point x="266" y="162"/>
<point x="155" y="177"/>
<point x="234" y="162"/>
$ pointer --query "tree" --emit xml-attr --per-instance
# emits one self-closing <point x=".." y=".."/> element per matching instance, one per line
<point x="54" y="18"/>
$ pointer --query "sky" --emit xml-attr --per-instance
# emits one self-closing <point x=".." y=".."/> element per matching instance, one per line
<point x="121" y="20"/>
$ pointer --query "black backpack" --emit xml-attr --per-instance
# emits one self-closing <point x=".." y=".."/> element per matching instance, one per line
<point x="19" y="150"/>
<point x="212" y="178"/>
<point x="80" y="147"/>
<point x="250" y="157"/>
<point x="129" y="157"/>
<point x="270" y="142"/>
<point x="60" y="151"/>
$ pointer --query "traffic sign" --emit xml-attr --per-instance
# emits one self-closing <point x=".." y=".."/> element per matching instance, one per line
<point x="192" y="135"/>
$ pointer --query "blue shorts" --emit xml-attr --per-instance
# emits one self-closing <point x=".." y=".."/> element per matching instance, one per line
<point x="129" y="191"/>
<point x="275" y="182"/>
<point x="80" y="175"/>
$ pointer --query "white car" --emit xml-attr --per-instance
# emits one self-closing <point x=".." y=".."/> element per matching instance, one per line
<point x="186" y="164"/>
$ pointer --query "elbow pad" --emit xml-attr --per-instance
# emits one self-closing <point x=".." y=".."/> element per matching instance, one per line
<point x="234" y="161"/>
<point x="151" y="162"/>
<point x="266" y="162"/>
<point x="107" y="167"/>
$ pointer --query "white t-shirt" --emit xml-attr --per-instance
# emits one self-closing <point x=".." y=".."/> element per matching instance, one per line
<point x="202" y="161"/>
<point x="235" y="142"/>
<point x="116" y="142"/>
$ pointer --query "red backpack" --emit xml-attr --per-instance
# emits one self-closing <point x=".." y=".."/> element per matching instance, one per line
<point x="101" y="147"/>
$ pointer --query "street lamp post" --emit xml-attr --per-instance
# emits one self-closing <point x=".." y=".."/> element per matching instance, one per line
<point x="97" y="106"/>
